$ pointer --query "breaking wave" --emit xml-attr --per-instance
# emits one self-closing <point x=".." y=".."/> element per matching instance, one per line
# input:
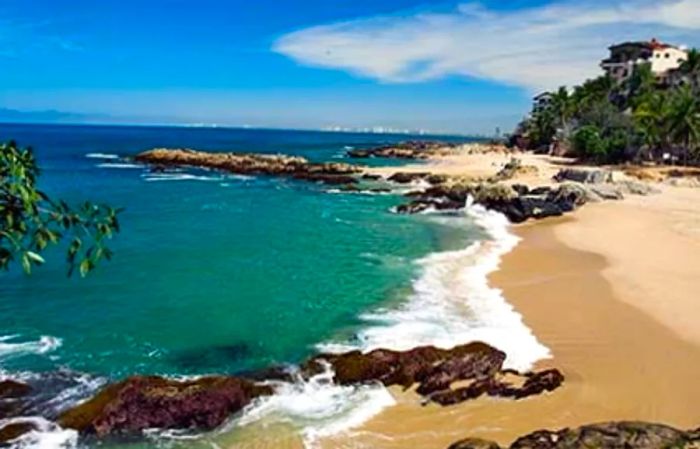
<point x="452" y="302"/>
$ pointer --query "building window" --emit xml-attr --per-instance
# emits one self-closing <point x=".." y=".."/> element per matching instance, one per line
<point x="668" y="55"/>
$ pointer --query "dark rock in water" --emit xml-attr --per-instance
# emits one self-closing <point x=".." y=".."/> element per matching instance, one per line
<point x="427" y="366"/>
<point x="371" y="177"/>
<point x="349" y="188"/>
<point x="405" y="150"/>
<point x="140" y="403"/>
<point x="12" y="398"/>
<point x="518" y="203"/>
<point x="253" y="164"/>
<point x="331" y="179"/>
<point x="437" y="179"/>
<point x="406" y="177"/>
<point x="210" y="357"/>
<point x="11" y="389"/>
<point x="15" y="430"/>
<point x="434" y="371"/>
<point x="610" y="435"/>
<point x="418" y="206"/>
<point x="413" y="207"/>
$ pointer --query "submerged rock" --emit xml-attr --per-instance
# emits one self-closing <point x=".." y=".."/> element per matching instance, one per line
<point x="11" y="389"/>
<point x="611" y="435"/>
<point x="145" y="402"/>
<point x="253" y="164"/>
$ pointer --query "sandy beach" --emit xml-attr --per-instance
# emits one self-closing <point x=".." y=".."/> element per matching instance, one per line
<point x="611" y="290"/>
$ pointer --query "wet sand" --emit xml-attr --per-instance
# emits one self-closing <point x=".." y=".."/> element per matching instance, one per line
<point x="620" y="361"/>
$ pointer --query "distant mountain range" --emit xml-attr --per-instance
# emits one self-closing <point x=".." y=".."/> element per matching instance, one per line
<point x="48" y="116"/>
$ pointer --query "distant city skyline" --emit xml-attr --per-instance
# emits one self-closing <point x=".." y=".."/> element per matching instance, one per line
<point x="450" y="67"/>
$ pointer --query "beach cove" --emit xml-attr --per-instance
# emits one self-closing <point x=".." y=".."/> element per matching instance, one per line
<point x="611" y="291"/>
<point x="554" y="304"/>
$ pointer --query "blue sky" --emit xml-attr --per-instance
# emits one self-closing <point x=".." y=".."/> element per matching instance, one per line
<point x="443" y="66"/>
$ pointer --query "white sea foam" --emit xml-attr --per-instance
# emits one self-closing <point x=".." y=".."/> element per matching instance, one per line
<point x="452" y="302"/>
<point x="318" y="407"/>
<point x="159" y="177"/>
<point x="360" y="192"/>
<point x="118" y="165"/>
<point x="47" y="435"/>
<point x="101" y="156"/>
<point x="10" y="347"/>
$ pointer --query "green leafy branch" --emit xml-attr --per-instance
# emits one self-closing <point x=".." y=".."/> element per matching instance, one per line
<point x="30" y="220"/>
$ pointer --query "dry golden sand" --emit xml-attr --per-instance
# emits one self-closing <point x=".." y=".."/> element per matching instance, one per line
<point x="619" y="362"/>
<point x="613" y="291"/>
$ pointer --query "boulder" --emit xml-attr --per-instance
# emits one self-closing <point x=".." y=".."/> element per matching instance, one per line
<point x="584" y="176"/>
<point x="144" y="402"/>
<point x="11" y="389"/>
<point x="609" y="435"/>
<point x="408" y="177"/>
<point x="15" y="430"/>
<point x="613" y="435"/>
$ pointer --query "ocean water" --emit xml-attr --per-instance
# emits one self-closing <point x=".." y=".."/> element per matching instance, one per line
<point x="217" y="273"/>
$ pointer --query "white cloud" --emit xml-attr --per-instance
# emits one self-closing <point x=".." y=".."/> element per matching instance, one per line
<point x="537" y="48"/>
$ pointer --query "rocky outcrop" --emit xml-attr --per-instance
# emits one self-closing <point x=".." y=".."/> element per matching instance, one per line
<point x="253" y="164"/>
<point x="146" y="402"/>
<point x="512" y="169"/>
<point x="435" y="370"/>
<point x="140" y="403"/>
<point x="518" y="202"/>
<point x="406" y="150"/>
<point x="611" y="435"/>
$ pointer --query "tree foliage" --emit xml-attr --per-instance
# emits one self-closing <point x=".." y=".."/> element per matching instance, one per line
<point x="30" y="220"/>
<point x="638" y="119"/>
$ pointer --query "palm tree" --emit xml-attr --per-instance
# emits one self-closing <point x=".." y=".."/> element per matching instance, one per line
<point x="562" y="107"/>
<point x="652" y="119"/>
<point x="684" y="119"/>
<point x="690" y="68"/>
<point x="639" y="86"/>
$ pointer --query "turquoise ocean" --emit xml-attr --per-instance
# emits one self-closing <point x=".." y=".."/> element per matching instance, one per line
<point x="216" y="273"/>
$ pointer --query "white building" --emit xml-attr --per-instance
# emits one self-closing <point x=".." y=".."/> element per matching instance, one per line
<point x="663" y="58"/>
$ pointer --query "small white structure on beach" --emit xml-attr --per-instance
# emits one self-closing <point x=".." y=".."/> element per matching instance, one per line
<point x="664" y="59"/>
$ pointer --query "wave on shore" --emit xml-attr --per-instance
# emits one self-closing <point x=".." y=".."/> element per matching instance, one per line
<point x="452" y="302"/>
<point x="318" y="406"/>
